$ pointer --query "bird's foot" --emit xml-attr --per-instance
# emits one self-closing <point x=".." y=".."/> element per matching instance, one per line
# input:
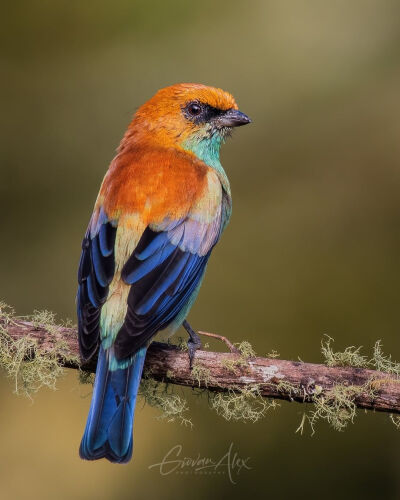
<point x="193" y="343"/>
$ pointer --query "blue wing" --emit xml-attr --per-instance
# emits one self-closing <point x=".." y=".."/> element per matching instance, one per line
<point x="164" y="271"/>
<point x="96" y="270"/>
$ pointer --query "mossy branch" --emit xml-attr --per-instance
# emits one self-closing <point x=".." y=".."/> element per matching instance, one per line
<point x="222" y="373"/>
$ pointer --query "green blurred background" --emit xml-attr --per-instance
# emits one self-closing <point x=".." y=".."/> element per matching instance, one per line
<point x="313" y="246"/>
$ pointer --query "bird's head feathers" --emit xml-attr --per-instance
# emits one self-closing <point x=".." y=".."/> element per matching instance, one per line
<point x="189" y="116"/>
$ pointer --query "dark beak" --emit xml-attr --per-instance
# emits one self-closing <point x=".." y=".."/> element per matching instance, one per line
<point x="233" y="118"/>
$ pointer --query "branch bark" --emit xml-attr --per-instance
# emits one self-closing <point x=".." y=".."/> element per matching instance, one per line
<point x="289" y="380"/>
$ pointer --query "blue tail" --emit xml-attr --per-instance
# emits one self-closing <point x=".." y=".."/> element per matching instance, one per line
<point x="108" y="432"/>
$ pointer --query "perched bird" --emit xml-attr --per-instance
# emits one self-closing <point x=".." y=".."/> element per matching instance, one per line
<point x="162" y="207"/>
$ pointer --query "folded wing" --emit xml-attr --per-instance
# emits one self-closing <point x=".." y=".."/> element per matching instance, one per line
<point x="96" y="270"/>
<point x="164" y="271"/>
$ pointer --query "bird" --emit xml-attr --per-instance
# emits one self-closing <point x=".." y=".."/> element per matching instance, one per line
<point x="162" y="207"/>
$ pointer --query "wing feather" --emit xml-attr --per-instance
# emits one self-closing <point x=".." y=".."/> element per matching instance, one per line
<point x="95" y="273"/>
<point x="163" y="271"/>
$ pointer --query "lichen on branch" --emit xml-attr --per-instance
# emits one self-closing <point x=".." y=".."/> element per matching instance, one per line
<point x="239" y="386"/>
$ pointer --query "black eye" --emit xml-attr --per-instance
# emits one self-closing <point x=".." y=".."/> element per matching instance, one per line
<point x="194" y="109"/>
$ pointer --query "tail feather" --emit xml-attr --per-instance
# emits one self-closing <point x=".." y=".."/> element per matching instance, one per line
<point x="108" y="432"/>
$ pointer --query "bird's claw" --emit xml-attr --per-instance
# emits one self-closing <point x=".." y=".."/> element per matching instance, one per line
<point x="193" y="343"/>
<point x="192" y="348"/>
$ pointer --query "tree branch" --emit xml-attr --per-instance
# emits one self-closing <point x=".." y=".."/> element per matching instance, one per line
<point x="275" y="378"/>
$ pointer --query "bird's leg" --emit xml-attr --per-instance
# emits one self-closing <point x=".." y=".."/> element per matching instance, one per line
<point x="193" y="343"/>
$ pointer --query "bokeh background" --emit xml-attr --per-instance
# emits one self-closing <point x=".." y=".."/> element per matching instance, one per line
<point x="313" y="246"/>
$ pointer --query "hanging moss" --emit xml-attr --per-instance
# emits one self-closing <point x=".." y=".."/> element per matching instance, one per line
<point x="182" y="344"/>
<point x="30" y="365"/>
<point x="233" y="365"/>
<point x="201" y="374"/>
<point x="242" y="404"/>
<point x="7" y="313"/>
<point x="44" y="319"/>
<point x="349" y="357"/>
<point x="85" y="377"/>
<point x="286" y="387"/>
<point x="246" y="349"/>
<point x="336" y="406"/>
<point x="384" y="363"/>
<point x="33" y="366"/>
<point x="395" y="419"/>
<point x="162" y="396"/>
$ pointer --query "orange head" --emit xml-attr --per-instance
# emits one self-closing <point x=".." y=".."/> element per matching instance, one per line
<point x="189" y="116"/>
